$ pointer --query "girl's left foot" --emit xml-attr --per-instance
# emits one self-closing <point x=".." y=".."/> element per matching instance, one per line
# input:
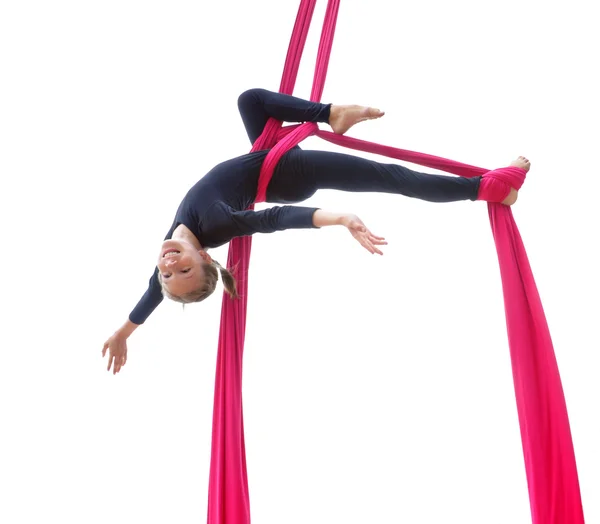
<point x="511" y="198"/>
<point x="523" y="163"/>
<point x="342" y="118"/>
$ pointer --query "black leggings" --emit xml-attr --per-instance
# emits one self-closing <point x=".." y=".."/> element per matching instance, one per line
<point x="300" y="173"/>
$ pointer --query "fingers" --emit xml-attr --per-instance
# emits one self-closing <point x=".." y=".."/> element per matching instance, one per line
<point x="368" y="245"/>
<point x="117" y="356"/>
<point x="119" y="363"/>
<point x="366" y="239"/>
<point x="373" y="250"/>
<point x="122" y="360"/>
<point x="369" y="241"/>
<point x="376" y="250"/>
<point x="377" y="241"/>
<point x="375" y="237"/>
<point x="380" y="241"/>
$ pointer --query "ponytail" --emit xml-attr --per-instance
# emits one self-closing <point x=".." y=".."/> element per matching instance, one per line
<point x="229" y="282"/>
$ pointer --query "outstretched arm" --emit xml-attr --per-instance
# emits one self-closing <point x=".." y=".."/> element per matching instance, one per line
<point x="279" y="218"/>
<point x="149" y="301"/>
<point x="116" y="345"/>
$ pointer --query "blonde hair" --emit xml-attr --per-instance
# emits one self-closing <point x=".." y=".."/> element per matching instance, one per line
<point x="211" y="275"/>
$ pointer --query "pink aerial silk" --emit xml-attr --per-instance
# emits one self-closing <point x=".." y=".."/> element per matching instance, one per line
<point x="547" y="444"/>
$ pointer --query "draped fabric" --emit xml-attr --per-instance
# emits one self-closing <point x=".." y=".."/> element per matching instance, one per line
<point x="546" y="437"/>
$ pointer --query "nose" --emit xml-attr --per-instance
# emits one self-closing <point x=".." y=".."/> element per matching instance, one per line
<point x="170" y="262"/>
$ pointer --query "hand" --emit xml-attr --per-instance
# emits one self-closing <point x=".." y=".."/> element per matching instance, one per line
<point x="360" y="232"/>
<point x="117" y="354"/>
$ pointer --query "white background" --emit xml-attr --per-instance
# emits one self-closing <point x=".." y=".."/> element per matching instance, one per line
<point x="376" y="389"/>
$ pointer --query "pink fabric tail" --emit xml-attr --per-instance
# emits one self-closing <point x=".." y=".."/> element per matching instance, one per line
<point x="228" y="497"/>
<point x="545" y="432"/>
<point x="547" y="444"/>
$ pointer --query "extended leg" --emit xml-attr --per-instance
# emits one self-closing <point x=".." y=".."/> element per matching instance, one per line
<point x="300" y="173"/>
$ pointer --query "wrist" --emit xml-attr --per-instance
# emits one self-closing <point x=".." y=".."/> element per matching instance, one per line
<point x="127" y="329"/>
<point x="344" y="219"/>
<point x="323" y="218"/>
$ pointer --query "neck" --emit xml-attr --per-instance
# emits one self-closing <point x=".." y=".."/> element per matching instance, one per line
<point x="182" y="232"/>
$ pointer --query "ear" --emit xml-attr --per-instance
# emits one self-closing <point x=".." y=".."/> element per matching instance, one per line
<point x="205" y="256"/>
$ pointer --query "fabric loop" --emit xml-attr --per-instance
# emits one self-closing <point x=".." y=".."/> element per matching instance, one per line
<point x="496" y="184"/>
<point x="285" y="143"/>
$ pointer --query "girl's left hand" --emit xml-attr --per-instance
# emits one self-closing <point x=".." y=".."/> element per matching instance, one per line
<point x="360" y="232"/>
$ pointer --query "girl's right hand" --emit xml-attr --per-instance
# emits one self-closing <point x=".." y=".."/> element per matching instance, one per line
<point x="117" y="352"/>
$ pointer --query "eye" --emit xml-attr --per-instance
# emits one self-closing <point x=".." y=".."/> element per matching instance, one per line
<point x="186" y="270"/>
<point x="165" y="275"/>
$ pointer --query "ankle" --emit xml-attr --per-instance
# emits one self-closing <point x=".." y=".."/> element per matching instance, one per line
<point x="334" y="113"/>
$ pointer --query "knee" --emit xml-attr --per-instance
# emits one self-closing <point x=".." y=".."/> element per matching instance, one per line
<point x="249" y="96"/>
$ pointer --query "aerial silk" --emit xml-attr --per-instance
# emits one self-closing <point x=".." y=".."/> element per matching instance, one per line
<point x="545" y="433"/>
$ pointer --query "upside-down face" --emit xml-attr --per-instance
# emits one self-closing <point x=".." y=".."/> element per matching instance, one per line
<point x="180" y="266"/>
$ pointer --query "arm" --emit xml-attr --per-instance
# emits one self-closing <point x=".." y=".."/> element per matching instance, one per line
<point x="149" y="301"/>
<point x="117" y="343"/>
<point x="276" y="218"/>
<point x="279" y="218"/>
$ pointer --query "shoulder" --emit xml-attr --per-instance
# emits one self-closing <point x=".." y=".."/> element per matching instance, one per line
<point x="215" y="224"/>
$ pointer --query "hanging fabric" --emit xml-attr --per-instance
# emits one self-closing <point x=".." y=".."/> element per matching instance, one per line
<point x="545" y="432"/>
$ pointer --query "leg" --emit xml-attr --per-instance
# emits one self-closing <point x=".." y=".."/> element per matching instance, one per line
<point x="258" y="105"/>
<point x="300" y="173"/>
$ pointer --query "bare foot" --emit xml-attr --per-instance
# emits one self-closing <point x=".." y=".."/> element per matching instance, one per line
<point x="511" y="198"/>
<point x="342" y="118"/>
<point x="523" y="163"/>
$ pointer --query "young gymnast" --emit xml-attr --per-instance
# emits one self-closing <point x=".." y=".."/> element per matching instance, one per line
<point x="215" y="209"/>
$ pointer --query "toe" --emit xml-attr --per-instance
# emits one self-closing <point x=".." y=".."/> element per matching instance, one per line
<point x="374" y="112"/>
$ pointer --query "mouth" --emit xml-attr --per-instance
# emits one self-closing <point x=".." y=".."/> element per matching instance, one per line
<point x="168" y="253"/>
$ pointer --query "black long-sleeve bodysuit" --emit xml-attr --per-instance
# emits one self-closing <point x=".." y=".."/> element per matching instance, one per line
<point x="215" y="209"/>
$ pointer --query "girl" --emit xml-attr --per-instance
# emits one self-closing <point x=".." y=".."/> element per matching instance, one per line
<point x="215" y="209"/>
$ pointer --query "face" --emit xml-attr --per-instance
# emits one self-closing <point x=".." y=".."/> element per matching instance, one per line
<point x="180" y="266"/>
